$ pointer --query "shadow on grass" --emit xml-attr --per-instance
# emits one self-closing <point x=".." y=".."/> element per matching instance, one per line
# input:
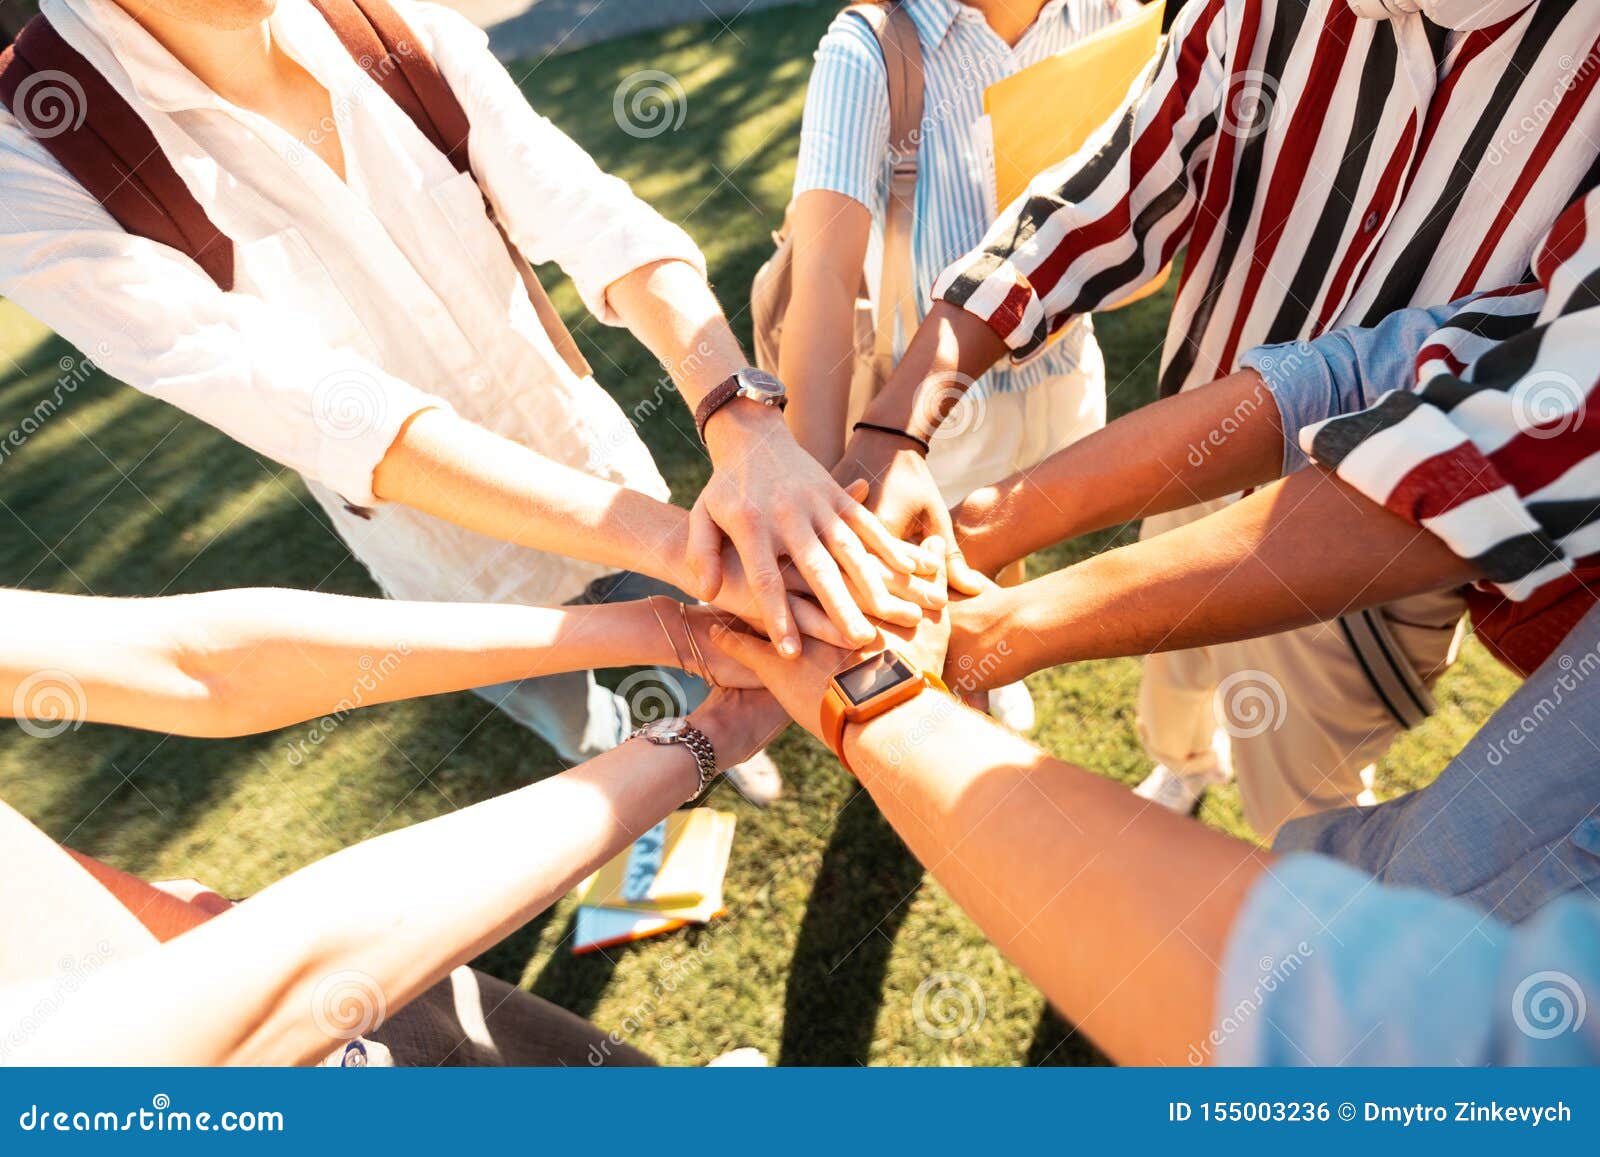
<point x="856" y="908"/>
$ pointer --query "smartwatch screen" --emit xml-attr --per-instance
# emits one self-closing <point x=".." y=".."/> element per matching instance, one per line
<point x="872" y="677"/>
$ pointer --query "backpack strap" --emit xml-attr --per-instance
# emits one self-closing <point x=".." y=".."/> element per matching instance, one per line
<point x="382" y="43"/>
<point x="63" y="102"/>
<point x="892" y="25"/>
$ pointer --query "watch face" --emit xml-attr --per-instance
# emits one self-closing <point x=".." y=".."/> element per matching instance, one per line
<point x="872" y="677"/>
<point x="760" y="385"/>
<point x="664" y="728"/>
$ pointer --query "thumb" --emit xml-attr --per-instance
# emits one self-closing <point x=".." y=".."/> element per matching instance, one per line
<point x="751" y="651"/>
<point x="704" y="552"/>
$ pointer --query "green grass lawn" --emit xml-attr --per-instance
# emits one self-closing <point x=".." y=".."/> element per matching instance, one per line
<point x="833" y="926"/>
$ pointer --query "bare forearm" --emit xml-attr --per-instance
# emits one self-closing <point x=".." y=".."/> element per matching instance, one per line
<point x="1300" y="551"/>
<point x="818" y="354"/>
<point x="818" y="362"/>
<point x="323" y="954"/>
<point x="669" y="307"/>
<point x="1117" y="910"/>
<point x="1197" y="446"/>
<point x="459" y="472"/>
<point x="952" y="348"/>
<point x="237" y="662"/>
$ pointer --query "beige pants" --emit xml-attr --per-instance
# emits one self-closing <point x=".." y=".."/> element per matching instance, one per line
<point x="1294" y="718"/>
<point x="986" y="439"/>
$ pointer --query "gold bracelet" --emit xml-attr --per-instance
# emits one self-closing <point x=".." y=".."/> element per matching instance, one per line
<point x="705" y="668"/>
<point x="662" y="623"/>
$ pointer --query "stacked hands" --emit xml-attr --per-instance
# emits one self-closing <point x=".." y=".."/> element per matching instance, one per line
<point x="800" y="596"/>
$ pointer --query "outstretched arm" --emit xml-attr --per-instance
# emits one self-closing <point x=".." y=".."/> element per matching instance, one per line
<point x="1118" y="910"/>
<point x="243" y="661"/>
<point x="324" y="954"/>
<point x="1193" y="447"/>
<point x="1303" y="550"/>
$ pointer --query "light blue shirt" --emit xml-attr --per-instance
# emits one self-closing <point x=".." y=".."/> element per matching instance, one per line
<point x="844" y="142"/>
<point x="1344" y="371"/>
<point x="1324" y="966"/>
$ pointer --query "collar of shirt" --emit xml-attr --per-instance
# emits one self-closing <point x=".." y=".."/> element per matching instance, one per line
<point x="934" y="18"/>
<point x="1460" y="15"/>
<point x="161" y="80"/>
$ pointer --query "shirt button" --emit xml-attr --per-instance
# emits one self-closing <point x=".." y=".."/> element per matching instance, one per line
<point x="1371" y="222"/>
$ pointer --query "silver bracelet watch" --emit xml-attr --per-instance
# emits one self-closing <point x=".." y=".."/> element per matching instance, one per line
<point x="680" y="732"/>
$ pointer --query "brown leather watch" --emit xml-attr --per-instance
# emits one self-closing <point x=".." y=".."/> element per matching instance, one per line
<point x="867" y="690"/>
<point x="757" y="385"/>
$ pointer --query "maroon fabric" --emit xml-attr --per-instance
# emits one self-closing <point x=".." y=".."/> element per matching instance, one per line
<point x="1523" y="635"/>
<point x="383" y="44"/>
<point x="107" y="148"/>
<point x="112" y="153"/>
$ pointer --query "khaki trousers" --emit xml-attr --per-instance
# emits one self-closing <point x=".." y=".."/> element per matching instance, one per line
<point x="1294" y="718"/>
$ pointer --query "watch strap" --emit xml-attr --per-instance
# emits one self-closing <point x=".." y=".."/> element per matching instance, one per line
<point x="719" y="396"/>
<point x="699" y="746"/>
<point x="836" y="714"/>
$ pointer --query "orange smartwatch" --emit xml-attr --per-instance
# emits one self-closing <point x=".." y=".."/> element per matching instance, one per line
<point x="867" y="690"/>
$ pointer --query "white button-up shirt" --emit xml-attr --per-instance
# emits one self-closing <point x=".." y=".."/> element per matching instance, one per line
<point x="357" y="303"/>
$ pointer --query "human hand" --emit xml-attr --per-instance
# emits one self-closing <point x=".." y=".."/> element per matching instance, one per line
<point x="981" y="656"/>
<point x="771" y="500"/>
<point x="739" y="723"/>
<point x="799" y="685"/>
<point x="906" y="499"/>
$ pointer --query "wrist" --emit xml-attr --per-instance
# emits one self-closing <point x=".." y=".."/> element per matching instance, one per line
<point x="737" y="424"/>
<point x="896" y="733"/>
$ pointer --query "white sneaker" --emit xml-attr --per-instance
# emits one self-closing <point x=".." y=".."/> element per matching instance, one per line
<point x="757" y="779"/>
<point x="1179" y="793"/>
<point x="1012" y="706"/>
<point x="741" y="1059"/>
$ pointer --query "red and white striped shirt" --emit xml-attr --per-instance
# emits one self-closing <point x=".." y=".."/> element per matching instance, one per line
<point x="1321" y="168"/>
<point x="1497" y="450"/>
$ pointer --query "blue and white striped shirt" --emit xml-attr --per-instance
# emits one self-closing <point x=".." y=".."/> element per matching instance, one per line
<point x="844" y="144"/>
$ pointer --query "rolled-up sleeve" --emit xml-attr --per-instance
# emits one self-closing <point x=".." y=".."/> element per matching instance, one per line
<point x="1107" y="220"/>
<point x="149" y="316"/>
<point x="1495" y="450"/>
<point x="554" y="201"/>
<point x="1342" y="371"/>
<point x="844" y="136"/>
<point x="1324" y="966"/>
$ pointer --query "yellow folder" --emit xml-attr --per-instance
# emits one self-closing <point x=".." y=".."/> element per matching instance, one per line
<point x="1046" y="113"/>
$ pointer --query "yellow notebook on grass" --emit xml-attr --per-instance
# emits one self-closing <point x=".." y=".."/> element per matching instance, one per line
<point x="676" y="864"/>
